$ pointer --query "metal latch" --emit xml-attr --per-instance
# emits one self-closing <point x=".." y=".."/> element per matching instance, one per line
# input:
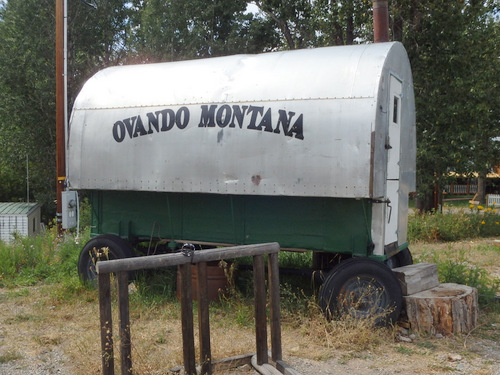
<point x="388" y="203"/>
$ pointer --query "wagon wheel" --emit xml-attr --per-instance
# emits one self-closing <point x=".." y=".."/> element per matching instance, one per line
<point x="401" y="259"/>
<point x="101" y="248"/>
<point x="362" y="288"/>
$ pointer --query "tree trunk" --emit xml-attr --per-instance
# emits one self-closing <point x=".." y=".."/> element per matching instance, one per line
<point x="430" y="201"/>
<point x="481" y="188"/>
<point x="446" y="309"/>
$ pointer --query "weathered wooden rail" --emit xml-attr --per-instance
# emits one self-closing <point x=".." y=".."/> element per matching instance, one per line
<point x="122" y="267"/>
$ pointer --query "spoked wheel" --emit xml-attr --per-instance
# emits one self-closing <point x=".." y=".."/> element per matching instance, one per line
<point x="401" y="259"/>
<point x="362" y="288"/>
<point x="101" y="248"/>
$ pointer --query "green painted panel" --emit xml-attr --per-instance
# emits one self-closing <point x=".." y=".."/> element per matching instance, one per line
<point x="328" y="224"/>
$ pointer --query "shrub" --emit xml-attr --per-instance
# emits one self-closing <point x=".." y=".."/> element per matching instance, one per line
<point x="45" y="257"/>
<point x="456" y="267"/>
<point x="454" y="226"/>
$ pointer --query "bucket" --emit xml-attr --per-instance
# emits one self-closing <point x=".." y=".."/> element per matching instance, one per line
<point x="216" y="280"/>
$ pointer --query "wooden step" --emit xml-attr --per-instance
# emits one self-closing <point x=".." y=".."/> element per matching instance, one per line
<point x="416" y="278"/>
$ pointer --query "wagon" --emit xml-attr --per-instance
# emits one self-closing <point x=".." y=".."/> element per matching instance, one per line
<point x="313" y="149"/>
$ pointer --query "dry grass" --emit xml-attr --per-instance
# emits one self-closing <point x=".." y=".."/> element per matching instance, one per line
<point x="480" y="252"/>
<point x="37" y="321"/>
<point x="43" y="318"/>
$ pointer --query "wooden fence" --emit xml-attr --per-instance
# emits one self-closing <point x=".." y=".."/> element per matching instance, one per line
<point x="183" y="260"/>
<point x="456" y="189"/>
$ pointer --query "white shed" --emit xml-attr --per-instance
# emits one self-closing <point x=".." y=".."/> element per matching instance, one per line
<point x="18" y="217"/>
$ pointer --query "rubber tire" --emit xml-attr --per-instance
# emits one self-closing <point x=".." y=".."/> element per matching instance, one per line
<point x="345" y="289"/>
<point x="405" y="258"/>
<point x="118" y="249"/>
<point x="401" y="259"/>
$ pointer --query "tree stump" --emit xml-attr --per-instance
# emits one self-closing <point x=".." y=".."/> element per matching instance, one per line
<point x="446" y="309"/>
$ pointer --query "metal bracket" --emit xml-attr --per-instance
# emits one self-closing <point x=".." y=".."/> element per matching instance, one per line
<point x="188" y="251"/>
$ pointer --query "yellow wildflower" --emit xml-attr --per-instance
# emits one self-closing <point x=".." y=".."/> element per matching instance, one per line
<point x="480" y="207"/>
<point x="471" y="206"/>
<point x="483" y="222"/>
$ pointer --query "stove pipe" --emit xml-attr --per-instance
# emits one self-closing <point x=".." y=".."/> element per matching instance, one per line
<point x="380" y="21"/>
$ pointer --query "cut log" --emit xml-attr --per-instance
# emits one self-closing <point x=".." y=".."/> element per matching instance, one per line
<point x="446" y="309"/>
<point x="417" y="277"/>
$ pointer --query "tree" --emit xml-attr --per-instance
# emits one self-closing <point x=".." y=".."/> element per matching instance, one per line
<point x="26" y="96"/>
<point x="452" y="48"/>
<point x="169" y="30"/>
<point x="27" y="83"/>
<point x="303" y="23"/>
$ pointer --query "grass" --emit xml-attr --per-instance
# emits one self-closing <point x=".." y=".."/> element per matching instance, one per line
<point x="47" y="257"/>
<point x="469" y="263"/>
<point x="70" y="309"/>
<point x="10" y="356"/>
<point x="470" y="223"/>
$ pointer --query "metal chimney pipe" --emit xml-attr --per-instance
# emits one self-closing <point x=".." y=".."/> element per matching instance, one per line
<point x="380" y="21"/>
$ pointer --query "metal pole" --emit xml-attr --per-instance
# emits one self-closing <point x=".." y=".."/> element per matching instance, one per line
<point x="27" y="180"/>
<point x="380" y="21"/>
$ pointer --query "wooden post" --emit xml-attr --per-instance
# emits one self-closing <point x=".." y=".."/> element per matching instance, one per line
<point x="106" y="325"/>
<point x="125" y="341"/>
<point x="274" y="296"/>
<point x="259" y="278"/>
<point x="187" y="319"/>
<point x="60" y="103"/>
<point x="203" y="320"/>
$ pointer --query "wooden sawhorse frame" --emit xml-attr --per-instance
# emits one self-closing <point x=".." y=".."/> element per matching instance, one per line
<point x="183" y="260"/>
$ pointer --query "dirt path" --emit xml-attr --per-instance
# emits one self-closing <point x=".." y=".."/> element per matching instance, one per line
<point x="41" y="335"/>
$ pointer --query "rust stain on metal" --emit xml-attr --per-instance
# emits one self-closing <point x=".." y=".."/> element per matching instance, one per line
<point x="256" y="179"/>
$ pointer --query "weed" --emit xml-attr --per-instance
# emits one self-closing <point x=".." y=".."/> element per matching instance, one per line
<point x="21" y="318"/>
<point x="294" y="259"/>
<point x="24" y="292"/>
<point x="427" y="345"/>
<point x="47" y="340"/>
<point x="155" y="287"/>
<point x="10" y="356"/>
<point x="454" y="226"/>
<point x="455" y="266"/>
<point x="441" y="368"/>
<point x="45" y="257"/>
<point x="405" y="350"/>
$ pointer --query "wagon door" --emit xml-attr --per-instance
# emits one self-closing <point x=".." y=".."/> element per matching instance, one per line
<point x="393" y="158"/>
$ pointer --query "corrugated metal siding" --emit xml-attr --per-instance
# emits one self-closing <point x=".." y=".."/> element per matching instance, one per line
<point x="15" y="217"/>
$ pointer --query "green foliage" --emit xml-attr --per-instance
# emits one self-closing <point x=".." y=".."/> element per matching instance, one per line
<point x="174" y="30"/>
<point x="294" y="259"/>
<point x="45" y="257"/>
<point x="10" y="356"/>
<point x="460" y="270"/>
<point x="472" y="223"/>
<point x="27" y="99"/>
<point x="453" y="48"/>
<point x="27" y="84"/>
<point x="156" y="286"/>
